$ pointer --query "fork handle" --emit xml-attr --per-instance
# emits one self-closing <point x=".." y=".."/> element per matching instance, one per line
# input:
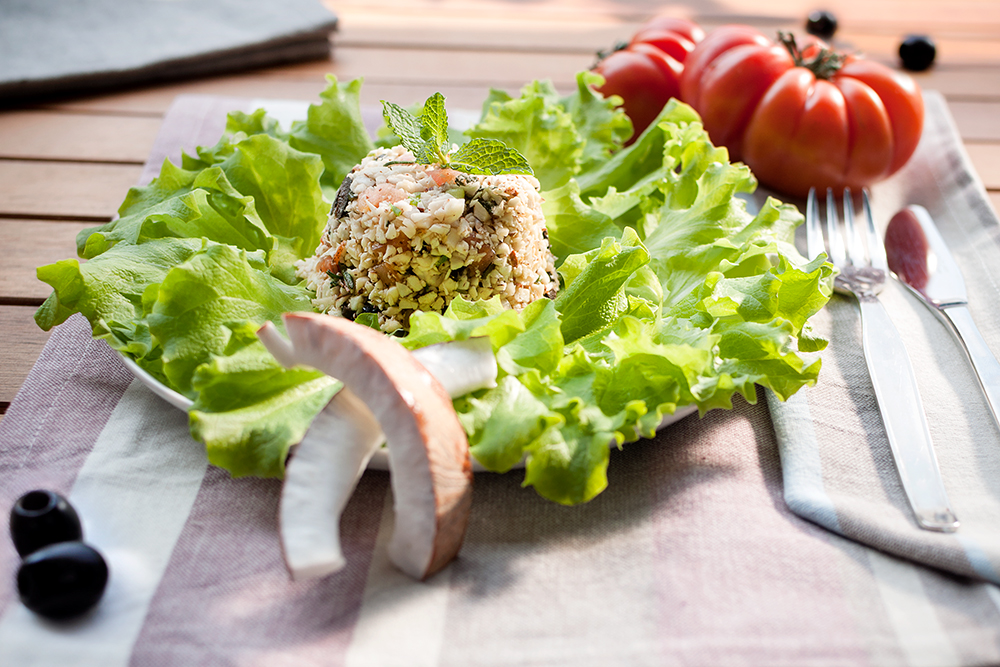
<point x="983" y="362"/>
<point x="903" y="415"/>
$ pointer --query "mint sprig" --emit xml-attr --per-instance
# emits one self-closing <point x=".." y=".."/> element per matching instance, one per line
<point x="426" y="136"/>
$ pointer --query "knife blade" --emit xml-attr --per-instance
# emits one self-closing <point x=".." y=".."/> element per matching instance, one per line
<point x="920" y="259"/>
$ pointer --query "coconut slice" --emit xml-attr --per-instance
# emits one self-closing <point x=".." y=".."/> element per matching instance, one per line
<point x="428" y="450"/>
<point x="319" y="481"/>
<point x="460" y="366"/>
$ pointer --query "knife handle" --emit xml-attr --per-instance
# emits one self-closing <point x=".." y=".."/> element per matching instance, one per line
<point x="983" y="362"/>
<point x="903" y="415"/>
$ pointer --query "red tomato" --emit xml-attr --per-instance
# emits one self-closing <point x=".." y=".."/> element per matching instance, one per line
<point x="646" y="72"/>
<point x="675" y="37"/>
<point x="683" y="27"/>
<point x="802" y="117"/>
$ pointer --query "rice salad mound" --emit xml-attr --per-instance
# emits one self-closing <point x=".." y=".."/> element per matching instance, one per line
<point x="404" y="237"/>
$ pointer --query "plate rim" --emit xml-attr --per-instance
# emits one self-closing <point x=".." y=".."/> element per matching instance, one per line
<point x="380" y="459"/>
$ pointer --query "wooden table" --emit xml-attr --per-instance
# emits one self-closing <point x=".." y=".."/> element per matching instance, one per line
<point x="67" y="165"/>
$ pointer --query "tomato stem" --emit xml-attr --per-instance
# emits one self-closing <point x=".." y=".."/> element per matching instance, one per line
<point x="604" y="53"/>
<point x="824" y="64"/>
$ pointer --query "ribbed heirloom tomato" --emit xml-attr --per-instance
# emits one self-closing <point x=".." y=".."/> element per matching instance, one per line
<point x="646" y="72"/>
<point x="802" y="117"/>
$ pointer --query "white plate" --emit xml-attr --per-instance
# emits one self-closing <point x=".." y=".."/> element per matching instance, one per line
<point x="380" y="460"/>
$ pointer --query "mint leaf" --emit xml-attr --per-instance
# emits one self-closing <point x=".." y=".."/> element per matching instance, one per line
<point x="434" y="123"/>
<point x="427" y="138"/>
<point x="489" y="156"/>
<point x="404" y="125"/>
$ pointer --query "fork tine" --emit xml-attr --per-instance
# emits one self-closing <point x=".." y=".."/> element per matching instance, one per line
<point x="814" y="233"/>
<point x="876" y="250"/>
<point x="833" y="230"/>
<point x="855" y="245"/>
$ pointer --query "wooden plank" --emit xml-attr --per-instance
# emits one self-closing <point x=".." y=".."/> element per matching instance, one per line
<point x="995" y="200"/>
<point x="461" y="31"/>
<point x="23" y="342"/>
<point x="915" y="13"/>
<point x="407" y="66"/>
<point x="965" y="84"/>
<point x="410" y="65"/>
<point x="266" y="83"/>
<point x="456" y="74"/>
<point x="968" y="83"/>
<point x="29" y="244"/>
<point x="488" y="11"/>
<point x="951" y="50"/>
<point x="30" y="134"/>
<point x="57" y="135"/>
<point x="478" y="37"/>
<point x="64" y="190"/>
<point x="418" y="65"/>
<point x="158" y="98"/>
<point x="986" y="159"/>
<point x="976" y="121"/>
<point x="384" y="81"/>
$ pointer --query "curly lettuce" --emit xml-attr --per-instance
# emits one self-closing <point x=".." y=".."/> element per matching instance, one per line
<point x="672" y="293"/>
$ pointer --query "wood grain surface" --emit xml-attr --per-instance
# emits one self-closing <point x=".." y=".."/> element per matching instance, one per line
<point x="67" y="164"/>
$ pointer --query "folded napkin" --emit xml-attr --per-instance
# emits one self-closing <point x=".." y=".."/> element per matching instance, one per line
<point x="62" y="46"/>
<point x="837" y="467"/>
<point x="691" y="556"/>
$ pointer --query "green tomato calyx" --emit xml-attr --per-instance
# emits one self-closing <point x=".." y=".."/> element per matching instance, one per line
<point x="824" y="63"/>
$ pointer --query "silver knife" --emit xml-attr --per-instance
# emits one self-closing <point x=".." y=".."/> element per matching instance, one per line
<point x="920" y="259"/>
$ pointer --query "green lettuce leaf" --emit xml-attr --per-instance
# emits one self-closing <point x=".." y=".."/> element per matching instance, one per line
<point x="700" y="302"/>
<point x="108" y="290"/>
<point x="206" y="206"/>
<point x="171" y="183"/>
<point x="335" y="131"/>
<point x="539" y="129"/>
<point x="239" y="126"/>
<point x="574" y="227"/>
<point x="250" y="410"/>
<point x="594" y="296"/>
<point x="201" y="300"/>
<point x="263" y="196"/>
<point x="283" y="183"/>
<point x="600" y="121"/>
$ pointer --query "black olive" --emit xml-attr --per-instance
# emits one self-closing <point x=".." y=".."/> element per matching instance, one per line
<point x="917" y="52"/>
<point x="40" y="518"/>
<point x="62" y="580"/>
<point x="821" y="23"/>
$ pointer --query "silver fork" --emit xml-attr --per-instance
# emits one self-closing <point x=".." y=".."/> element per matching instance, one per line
<point x="864" y="274"/>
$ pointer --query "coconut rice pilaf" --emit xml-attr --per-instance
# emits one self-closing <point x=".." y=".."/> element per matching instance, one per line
<point x="404" y="237"/>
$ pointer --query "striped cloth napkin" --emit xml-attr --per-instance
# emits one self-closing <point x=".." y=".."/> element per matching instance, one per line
<point x="837" y="466"/>
<point x="692" y="556"/>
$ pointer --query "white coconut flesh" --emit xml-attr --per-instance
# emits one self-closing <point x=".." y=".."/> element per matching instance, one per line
<point x="460" y="366"/>
<point x="430" y="466"/>
<point x="319" y="481"/>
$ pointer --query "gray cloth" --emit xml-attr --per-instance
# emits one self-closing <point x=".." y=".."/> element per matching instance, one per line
<point x="691" y="556"/>
<point x="838" y="469"/>
<point x="62" y="46"/>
